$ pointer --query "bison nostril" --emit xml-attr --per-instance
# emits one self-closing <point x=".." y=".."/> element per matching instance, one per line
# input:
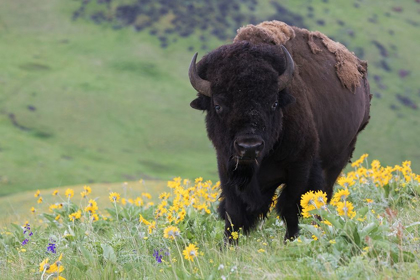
<point x="249" y="147"/>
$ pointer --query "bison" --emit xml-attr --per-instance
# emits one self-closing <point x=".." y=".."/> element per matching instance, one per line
<point x="283" y="106"/>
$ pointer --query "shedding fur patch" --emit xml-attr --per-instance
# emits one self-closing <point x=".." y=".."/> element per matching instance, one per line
<point x="348" y="67"/>
<point x="268" y="32"/>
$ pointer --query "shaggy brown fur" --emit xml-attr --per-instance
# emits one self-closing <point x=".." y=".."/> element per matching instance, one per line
<point x="266" y="134"/>
<point x="348" y="67"/>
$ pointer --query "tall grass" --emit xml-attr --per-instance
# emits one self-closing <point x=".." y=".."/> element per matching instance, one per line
<point x="178" y="234"/>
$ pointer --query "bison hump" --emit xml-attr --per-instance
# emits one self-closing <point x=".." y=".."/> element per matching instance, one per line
<point x="348" y="67"/>
<point x="268" y="32"/>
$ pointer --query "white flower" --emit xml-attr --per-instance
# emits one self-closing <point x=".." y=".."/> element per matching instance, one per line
<point x="221" y="266"/>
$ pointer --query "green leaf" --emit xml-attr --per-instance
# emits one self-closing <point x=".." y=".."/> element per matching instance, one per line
<point x="362" y="212"/>
<point x="18" y="228"/>
<point x="87" y="254"/>
<point x="369" y="228"/>
<point x="312" y="230"/>
<point x="108" y="253"/>
<point x="387" y="190"/>
<point x="49" y="217"/>
<point x="356" y="237"/>
<point x="330" y="218"/>
<point x="408" y="256"/>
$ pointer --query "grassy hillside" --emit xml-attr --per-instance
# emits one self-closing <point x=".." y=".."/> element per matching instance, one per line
<point x="369" y="231"/>
<point x="84" y="103"/>
<point x="17" y="206"/>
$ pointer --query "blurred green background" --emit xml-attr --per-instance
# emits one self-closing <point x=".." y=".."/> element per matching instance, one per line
<point x="97" y="91"/>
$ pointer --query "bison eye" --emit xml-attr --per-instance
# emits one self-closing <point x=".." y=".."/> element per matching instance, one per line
<point x="218" y="108"/>
<point x="274" y="106"/>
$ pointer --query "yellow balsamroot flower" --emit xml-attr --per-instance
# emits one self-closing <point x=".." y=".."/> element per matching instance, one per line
<point x="368" y="200"/>
<point x="171" y="232"/>
<point x="55" y="192"/>
<point x="341" y="195"/>
<point x="38" y="193"/>
<point x="160" y="211"/>
<point x="326" y="222"/>
<point x="143" y="220"/>
<point x="39" y="200"/>
<point x="181" y="215"/>
<point x="345" y="181"/>
<point x="190" y="252"/>
<point x="87" y="189"/>
<point x="345" y="209"/>
<point x="151" y="227"/>
<point x="130" y="201"/>
<point x="52" y="207"/>
<point x="91" y="209"/>
<point x="164" y="195"/>
<point x="95" y="217"/>
<point x="146" y="195"/>
<point x="320" y="199"/>
<point x="57" y="217"/>
<point x="199" y="180"/>
<point x="308" y="200"/>
<point x="305" y="211"/>
<point x="123" y="201"/>
<point x="114" y="197"/>
<point x="170" y="217"/>
<point x="139" y="201"/>
<point x="75" y="216"/>
<point x="56" y="267"/>
<point x="33" y="210"/>
<point x="358" y="162"/>
<point x="376" y="164"/>
<point x="69" y="193"/>
<point x="43" y="265"/>
<point x="235" y="235"/>
<point x="84" y="194"/>
<point x="174" y="184"/>
<point x="93" y="204"/>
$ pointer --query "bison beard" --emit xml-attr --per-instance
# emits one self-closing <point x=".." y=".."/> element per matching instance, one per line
<point x="279" y="115"/>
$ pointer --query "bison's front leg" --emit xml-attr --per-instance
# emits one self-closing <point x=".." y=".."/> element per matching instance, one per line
<point x="301" y="177"/>
<point x="236" y="217"/>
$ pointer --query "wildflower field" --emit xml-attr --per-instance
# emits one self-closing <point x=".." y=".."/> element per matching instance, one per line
<point x="370" y="229"/>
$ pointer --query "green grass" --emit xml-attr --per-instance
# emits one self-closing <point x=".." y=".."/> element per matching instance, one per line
<point x="17" y="206"/>
<point x="113" y="106"/>
<point x="381" y="241"/>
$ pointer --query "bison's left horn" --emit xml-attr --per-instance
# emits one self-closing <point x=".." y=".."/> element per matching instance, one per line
<point x="286" y="77"/>
<point x="200" y="85"/>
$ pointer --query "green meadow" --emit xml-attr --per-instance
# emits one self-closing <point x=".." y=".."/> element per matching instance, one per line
<point x="370" y="230"/>
<point x="86" y="104"/>
<point x="82" y="103"/>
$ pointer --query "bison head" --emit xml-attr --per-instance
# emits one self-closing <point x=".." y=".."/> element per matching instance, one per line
<point x="243" y="88"/>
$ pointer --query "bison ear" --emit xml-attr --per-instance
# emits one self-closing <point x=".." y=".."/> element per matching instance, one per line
<point x="200" y="103"/>
<point x="286" y="99"/>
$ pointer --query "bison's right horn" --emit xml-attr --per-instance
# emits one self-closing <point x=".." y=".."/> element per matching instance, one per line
<point x="200" y="85"/>
<point x="286" y="77"/>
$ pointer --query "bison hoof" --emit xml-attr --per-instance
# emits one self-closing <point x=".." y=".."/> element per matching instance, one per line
<point x="290" y="237"/>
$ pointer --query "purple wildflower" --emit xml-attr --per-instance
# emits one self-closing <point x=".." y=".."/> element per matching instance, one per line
<point x="157" y="256"/>
<point x="27" y="228"/>
<point x="51" y="248"/>
<point x="24" y="242"/>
